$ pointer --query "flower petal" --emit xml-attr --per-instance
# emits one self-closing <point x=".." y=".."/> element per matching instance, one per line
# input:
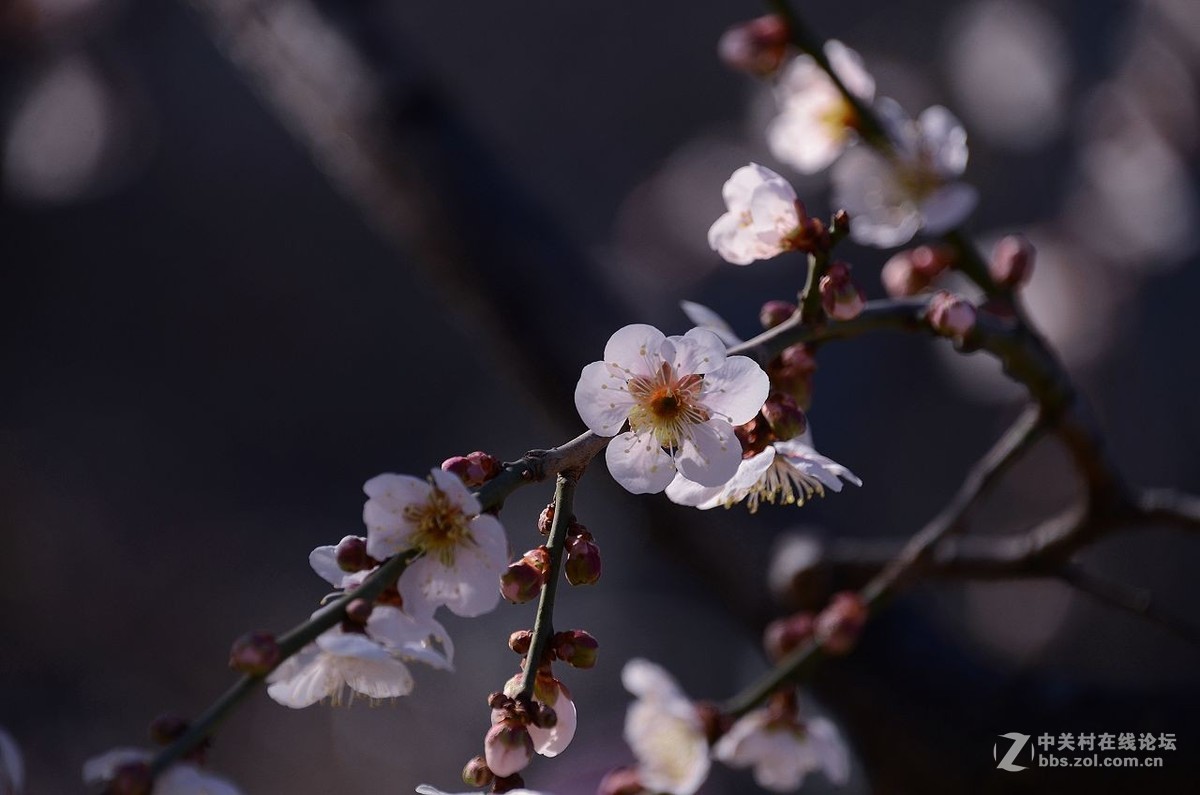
<point x="378" y="679"/>
<point x="706" y="318"/>
<point x="602" y="399"/>
<point x="635" y="349"/>
<point x="453" y="487"/>
<point x="726" y="237"/>
<point x="552" y="742"/>
<point x="698" y="351"/>
<point x="830" y="749"/>
<point x="388" y="532"/>
<point x="303" y="680"/>
<point x="682" y="491"/>
<point x="187" y="779"/>
<point x="736" y="390"/>
<point x="711" y="454"/>
<point x="948" y="207"/>
<point x="649" y="681"/>
<point x="639" y="464"/>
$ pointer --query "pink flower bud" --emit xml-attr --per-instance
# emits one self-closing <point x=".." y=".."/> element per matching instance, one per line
<point x="167" y="728"/>
<point x="582" y="566"/>
<point x="473" y="469"/>
<point x="784" y="635"/>
<point x="791" y="373"/>
<point x="757" y="47"/>
<point x="839" y="625"/>
<point x="476" y="773"/>
<point x="133" y="778"/>
<point x="255" y="653"/>
<point x="520" y="641"/>
<point x="575" y="647"/>
<point x="786" y="419"/>
<point x="775" y="312"/>
<point x="951" y="315"/>
<point x="358" y="611"/>
<point x="546" y="519"/>
<point x="841" y="297"/>
<point x="1012" y="261"/>
<point x="507" y="748"/>
<point x="522" y="581"/>
<point x="351" y="555"/>
<point x="900" y="278"/>
<point x="929" y="261"/>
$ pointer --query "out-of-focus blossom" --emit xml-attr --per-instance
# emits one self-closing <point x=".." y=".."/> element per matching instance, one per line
<point x="951" y="315"/>
<point x="425" y="789"/>
<point x="12" y="766"/>
<point x="758" y="46"/>
<point x="891" y="197"/>
<point x="764" y="218"/>
<point x="681" y="396"/>
<point x="815" y="121"/>
<point x="465" y="552"/>
<point x="178" y="779"/>
<point x="664" y="730"/>
<point x="553" y="740"/>
<point x="783" y="751"/>
<point x="1012" y="261"/>
<point x="785" y="473"/>
<point x="508" y="747"/>
<point x="841" y="296"/>
<point x="336" y="661"/>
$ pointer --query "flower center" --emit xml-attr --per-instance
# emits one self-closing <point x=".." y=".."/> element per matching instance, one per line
<point x="666" y="405"/>
<point x="441" y="526"/>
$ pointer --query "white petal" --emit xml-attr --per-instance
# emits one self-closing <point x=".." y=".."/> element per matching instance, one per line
<point x="848" y="66"/>
<point x="729" y="748"/>
<point x="639" y="464"/>
<point x="388" y="532"/>
<point x="453" y="487"/>
<point x="739" y="188"/>
<point x="324" y="562"/>
<point x="635" y="348"/>
<point x="186" y="779"/>
<point x="831" y="749"/>
<point x="812" y="463"/>
<point x="682" y="491"/>
<point x="378" y="679"/>
<point x="698" y="351"/>
<point x="470" y="587"/>
<point x="948" y="207"/>
<point x="99" y="769"/>
<point x="798" y="137"/>
<point x="647" y="680"/>
<point x="945" y="139"/>
<point x="409" y="637"/>
<point x="670" y="746"/>
<point x="552" y="742"/>
<point x="303" y="680"/>
<point x="602" y="400"/>
<point x="735" y="391"/>
<point x="711" y="454"/>
<point x="773" y="211"/>
<point x="706" y="318"/>
<point x="727" y="237"/>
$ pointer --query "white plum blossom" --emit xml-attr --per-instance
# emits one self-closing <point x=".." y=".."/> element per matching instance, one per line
<point x="783" y="752"/>
<point x="554" y="694"/>
<point x="464" y="551"/>
<point x="681" y="396"/>
<point x="784" y="472"/>
<point x="890" y="197"/>
<point x="763" y="218"/>
<point x="816" y="122"/>
<point x="664" y="730"/>
<point x="336" y="661"/>
<point x="182" y="778"/>
<point x="323" y="560"/>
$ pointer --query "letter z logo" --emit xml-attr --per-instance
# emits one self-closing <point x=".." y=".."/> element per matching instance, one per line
<point x="1018" y="742"/>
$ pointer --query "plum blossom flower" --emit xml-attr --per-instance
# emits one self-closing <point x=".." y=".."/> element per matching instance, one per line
<point x="816" y="122"/>
<point x="784" y="751"/>
<point x="890" y="197"/>
<point x="681" y="396"/>
<point x="179" y="779"/>
<point x="785" y="472"/>
<point x="664" y="730"/>
<point x="465" y="552"/>
<point x="554" y="694"/>
<point x="336" y="661"/>
<point x="764" y="218"/>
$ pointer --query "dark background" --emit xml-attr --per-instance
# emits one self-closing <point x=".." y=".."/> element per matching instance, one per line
<point x="229" y="298"/>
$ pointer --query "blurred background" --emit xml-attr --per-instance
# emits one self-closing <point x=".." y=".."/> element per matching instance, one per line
<point x="256" y="252"/>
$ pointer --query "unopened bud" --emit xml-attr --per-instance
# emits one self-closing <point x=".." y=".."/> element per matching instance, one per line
<point x="839" y="625"/>
<point x="522" y="582"/>
<point x="840" y="226"/>
<point x="1012" y="261"/>
<point x="358" y="611"/>
<point x="622" y="781"/>
<point x="499" y="700"/>
<point x="473" y="469"/>
<point x="951" y="315"/>
<point x="899" y="277"/>
<point x="167" y="728"/>
<point x="255" y="653"/>
<point x="786" y="419"/>
<point x="543" y="716"/>
<point x="476" y="773"/>
<point x="930" y="260"/>
<point x="520" y="641"/>
<point x="791" y="373"/>
<point x="546" y="519"/>
<point x="576" y="648"/>
<point x="508" y="784"/>
<point x="809" y="235"/>
<point x="582" y="566"/>
<point x="757" y="47"/>
<point x="507" y="748"/>
<point x="784" y="635"/>
<point x="775" y="312"/>
<point x="351" y="554"/>
<point x="754" y="436"/>
<point x="841" y="297"/>
<point x="715" y="722"/>
<point x="133" y="778"/>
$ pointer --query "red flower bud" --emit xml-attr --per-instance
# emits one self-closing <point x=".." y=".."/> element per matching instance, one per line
<point x="775" y="312"/>
<point x="473" y="469"/>
<point x="1012" y="261"/>
<point x="784" y="416"/>
<point x="582" y="566"/>
<point x="255" y="653"/>
<point x="575" y="647"/>
<point x="351" y="555"/>
<point x="757" y="47"/>
<point x="476" y="773"/>
<point x="784" y="635"/>
<point x="841" y="297"/>
<point x="522" y="581"/>
<point x="520" y="641"/>
<point x="839" y="625"/>
<point x="951" y="315"/>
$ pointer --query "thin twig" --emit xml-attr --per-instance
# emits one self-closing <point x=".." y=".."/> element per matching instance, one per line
<point x="1138" y="601"/>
